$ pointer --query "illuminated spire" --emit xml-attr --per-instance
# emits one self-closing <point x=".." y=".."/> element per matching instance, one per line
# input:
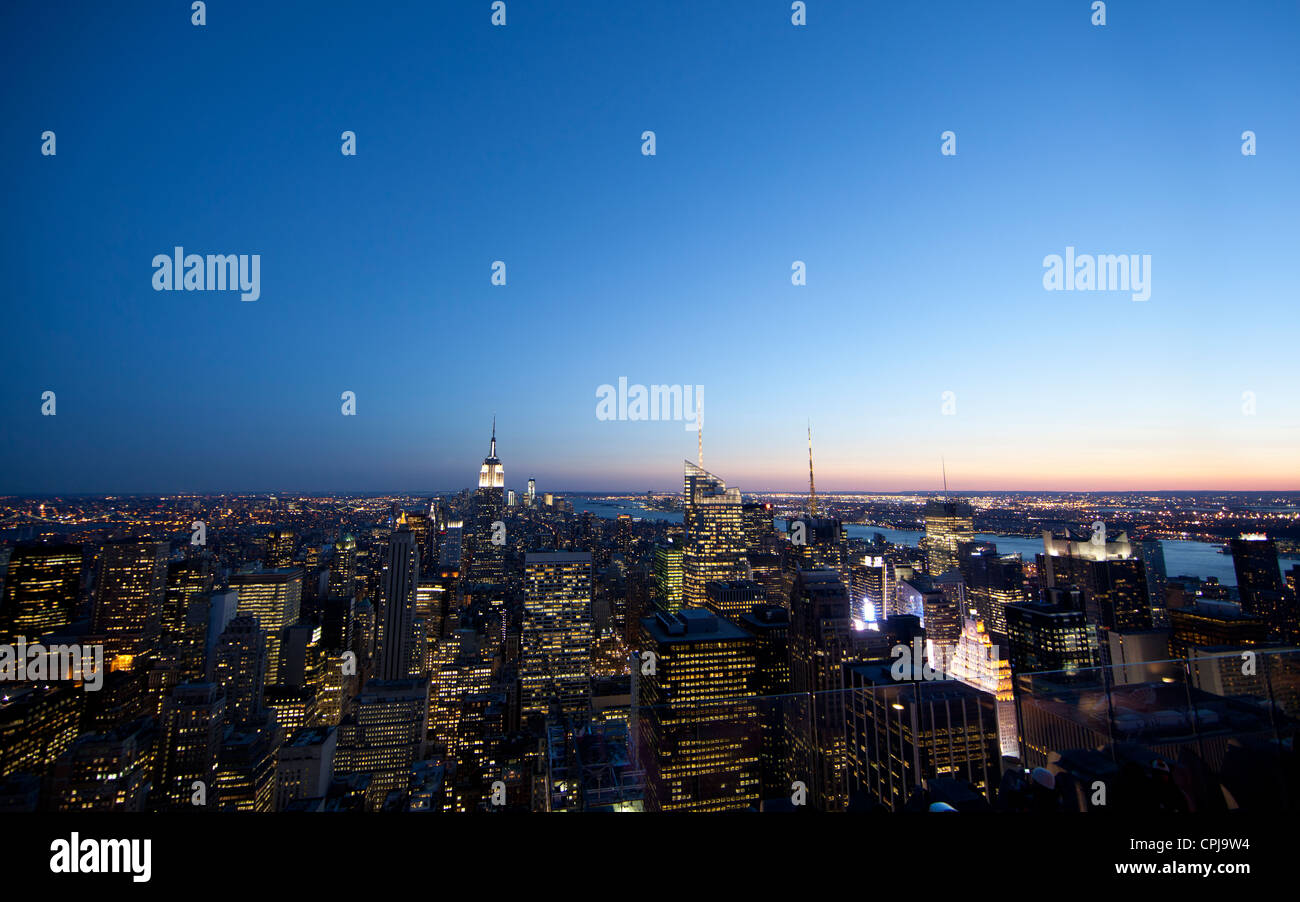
<point x="492" y="475"/>
<point x="699" y="422"/>
<point x="812" y="485"/>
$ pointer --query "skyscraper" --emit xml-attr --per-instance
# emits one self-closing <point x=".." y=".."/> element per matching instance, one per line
<point x="757" y="519"/>
<point x="945" y="610"/>
<point x="821" y="543"/>
<point x="384" y="734"/>
<point x="993" y="581"/>
<point x="129" y="595"/>
<point x="698" y="714"/>
<point x="343" y="568"/>
<point x="246" y="766"/>
<point x="1214" y="625"/>
<point x="186" y="582"/>
<point x="279" y="549"/>
<point x="219" y="608"/>
<point x="1051" y="637"/>
<point x="486" y="563"/>
<point x="1259" y="582"/>
<point x="305" y="765"/>
<point x="38" y="723"/>
<point x="1111" y="577"/>
<point x="668" y="576"/>
<point x="733" y="599"/>
<point x="900" y="736"/>
<point x="769" y="626"/>
<point x="40" y="590"/>
<point x="275" y="598"/>
<point x="420" y="523"/>
<point x="979" y="661"/>
<point x="872" y="584"/>
<point x="193" y="723"/>
<point x="947" y="523"/>
<point x="1152" y="553"/>
<point x="451" y="548"/>
<point x="557" y="632"/>
<point x="398" y="655"/>
<point x="715" y="536"/>
<point x="1254" y="559"/>
<point x="822" y="642"/>
<point x="105" y="771"/>
<point x="241" y="668"/>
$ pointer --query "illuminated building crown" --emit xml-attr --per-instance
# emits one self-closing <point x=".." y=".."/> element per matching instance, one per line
<point x="492" y="475"/>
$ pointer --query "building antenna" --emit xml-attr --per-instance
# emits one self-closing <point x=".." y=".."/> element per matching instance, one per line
<point x="699" y="432"/>
<point x="944" y="465"/>
<point x="812" y="484"/>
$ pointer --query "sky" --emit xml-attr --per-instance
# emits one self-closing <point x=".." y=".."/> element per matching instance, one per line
<point x="774" y="144"/>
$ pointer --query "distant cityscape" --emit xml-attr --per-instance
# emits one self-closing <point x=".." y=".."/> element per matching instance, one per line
<point x="494" y="408"/>
<point x="524" y="649"/>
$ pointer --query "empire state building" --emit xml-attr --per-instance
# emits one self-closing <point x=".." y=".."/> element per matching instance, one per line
<point x="487" y="558"/>
<point x="492" y="475"/>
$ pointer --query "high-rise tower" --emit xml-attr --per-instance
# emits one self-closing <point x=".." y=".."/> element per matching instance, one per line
<point x="486" y="558"/>
<point x="1259" y="581"/>
<point x="715" y="535"/>
<point x="343" y="568"/>
<point x="397" y="649"/>
<point x="946" y="524"/>
<point x="40" y="590"/>
<point x="1110" y="575"/>
<point x="129" y="595"/>
<point x="241" y="668"/>
<point x="274" y="597"/>
<point x="557" y="632"/>
<point x="822" y="642"/>
<point x="492" y="475"/>
<point x="697" y="713"/>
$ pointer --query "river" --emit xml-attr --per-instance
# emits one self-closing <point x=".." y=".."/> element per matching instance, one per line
<point x="1182" y="558"/>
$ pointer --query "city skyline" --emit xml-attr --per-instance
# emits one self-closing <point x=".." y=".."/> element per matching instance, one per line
<point x="945" y="484"/>
<point x="495" y="408"/>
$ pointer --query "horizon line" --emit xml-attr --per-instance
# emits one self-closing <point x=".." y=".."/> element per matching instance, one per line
<point x="639" y="492"/>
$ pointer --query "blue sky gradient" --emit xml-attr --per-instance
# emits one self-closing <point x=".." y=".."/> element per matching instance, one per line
<point x="775" y="144"/>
